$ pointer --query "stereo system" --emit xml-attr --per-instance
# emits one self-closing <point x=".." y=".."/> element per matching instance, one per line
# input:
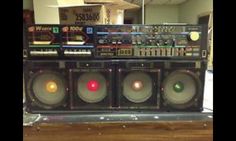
<point x="110" y="68"/>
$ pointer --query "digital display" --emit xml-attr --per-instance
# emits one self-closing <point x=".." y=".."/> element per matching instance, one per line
<point x="44" y="36"/>
<point x="77" y="36"/>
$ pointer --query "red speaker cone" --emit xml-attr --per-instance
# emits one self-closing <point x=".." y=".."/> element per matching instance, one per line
<point x="93" y="85"/>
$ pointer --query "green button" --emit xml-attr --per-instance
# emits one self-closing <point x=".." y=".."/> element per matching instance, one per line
<point x="55" y="30"/>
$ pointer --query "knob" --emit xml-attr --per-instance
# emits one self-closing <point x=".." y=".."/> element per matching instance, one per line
<point x="170" y="42"/>
<point x="161" y="42"/>
<point x="101" y="41"/>
<point x="194" y="36"/>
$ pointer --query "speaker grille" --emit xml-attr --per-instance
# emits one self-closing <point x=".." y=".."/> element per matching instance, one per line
<point x="180" y="87"/>
<point x="47" y="89"/>
<point x="92" y="87"/>
<point x="137" y="87"/>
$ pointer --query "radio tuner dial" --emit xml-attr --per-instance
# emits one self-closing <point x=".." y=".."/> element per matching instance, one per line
<point x="194" y="36"/>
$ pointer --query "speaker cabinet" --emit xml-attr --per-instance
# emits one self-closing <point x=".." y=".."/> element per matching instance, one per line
<point x="91" y="86"/>
<point x="46" y="86"/>
<point x="138" y="86"/>
<point x="69" y="86"/>
<point x="182" y="86"/>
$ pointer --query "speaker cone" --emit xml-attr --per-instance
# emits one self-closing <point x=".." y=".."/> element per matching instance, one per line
<point x="91" y="87"/>
<point x="137" y="87"/>
<point x="180" y="87"/>
<point x="48" y="89"/>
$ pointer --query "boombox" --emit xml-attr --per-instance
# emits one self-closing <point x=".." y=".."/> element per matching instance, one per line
<point x="114" y="68"/>
<point x="69" y="86"/>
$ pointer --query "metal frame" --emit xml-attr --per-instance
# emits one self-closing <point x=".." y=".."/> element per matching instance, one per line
<point x="31" y="119"/>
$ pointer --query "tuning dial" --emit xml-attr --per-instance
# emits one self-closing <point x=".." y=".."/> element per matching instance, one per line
<point x="194" y="36"/>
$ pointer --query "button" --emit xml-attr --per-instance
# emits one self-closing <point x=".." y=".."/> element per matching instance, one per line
<point x="204" y="53"/>
<point x="188" y="49"/>
<point x="194" y="36"/>
<point x="188" y="54"/>
<point x="195" y="49"/>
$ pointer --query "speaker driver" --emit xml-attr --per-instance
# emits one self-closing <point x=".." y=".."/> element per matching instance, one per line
<point x="92" y="87"/>
<point x="48" y="89"/>
<point x="180" y="87"/>
<point x="137" y="87"/>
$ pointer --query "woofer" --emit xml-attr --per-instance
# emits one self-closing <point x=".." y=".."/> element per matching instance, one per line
<point x="47" y="89"/>
<point x="180" y="88"/>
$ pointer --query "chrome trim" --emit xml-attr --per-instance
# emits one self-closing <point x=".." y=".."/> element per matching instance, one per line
<point x="30" y="119"/>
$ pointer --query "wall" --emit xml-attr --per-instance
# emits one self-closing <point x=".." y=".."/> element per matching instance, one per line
<point x="44" y="14"/>
<point x="158" y="14"/>
<point x="28" y="4"/>
<point x="189" y="10"/>
<point x="186" y="12"/>
<point x="133" y="14"/>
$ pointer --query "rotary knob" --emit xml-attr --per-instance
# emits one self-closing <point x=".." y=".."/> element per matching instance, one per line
<point x="194" y="36"/>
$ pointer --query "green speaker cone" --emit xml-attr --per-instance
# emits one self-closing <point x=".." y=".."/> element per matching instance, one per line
<point x="178" y="87"/>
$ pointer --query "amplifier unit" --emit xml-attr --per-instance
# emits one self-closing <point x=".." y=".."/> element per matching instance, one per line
<point x="117" y="41"/>
<point x="63" y="86"/>
<point x="148" y="41"/>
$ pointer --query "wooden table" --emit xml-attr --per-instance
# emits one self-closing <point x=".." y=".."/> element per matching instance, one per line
<point x="121" y="131"/>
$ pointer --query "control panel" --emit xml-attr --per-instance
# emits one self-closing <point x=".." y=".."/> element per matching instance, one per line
<point x="44" y="40"/>
<point x="113" y="40"/>
<point x="147" y="41"/>
<point x="77" y="41"/>
<point x="118" y="41"/>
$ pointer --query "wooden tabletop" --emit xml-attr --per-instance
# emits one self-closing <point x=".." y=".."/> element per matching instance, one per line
<point x="121" y="131"/>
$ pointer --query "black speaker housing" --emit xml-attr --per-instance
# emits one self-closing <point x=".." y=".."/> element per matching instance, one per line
<point x="153" y="102"/>
<point x="196" y="69"/>
<point x="32" y="69"/>
<point x="102" y="68"/>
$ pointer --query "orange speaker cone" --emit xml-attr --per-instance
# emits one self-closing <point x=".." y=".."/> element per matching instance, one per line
<point x="51" y="87"/>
